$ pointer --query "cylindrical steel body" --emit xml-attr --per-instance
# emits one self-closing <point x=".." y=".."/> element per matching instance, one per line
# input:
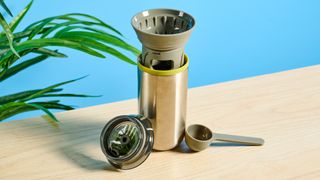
<point x="162" y="98"/>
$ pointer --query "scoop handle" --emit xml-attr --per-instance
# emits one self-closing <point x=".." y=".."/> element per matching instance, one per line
<point x="252" y="141"/>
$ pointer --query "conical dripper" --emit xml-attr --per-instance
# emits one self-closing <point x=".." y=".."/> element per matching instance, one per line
<point x="163" y="34"/>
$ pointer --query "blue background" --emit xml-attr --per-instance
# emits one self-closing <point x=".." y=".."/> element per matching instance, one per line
<point x="232" y="40"/>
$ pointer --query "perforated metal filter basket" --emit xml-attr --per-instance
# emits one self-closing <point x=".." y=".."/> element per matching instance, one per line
<point x="163" y="34"/>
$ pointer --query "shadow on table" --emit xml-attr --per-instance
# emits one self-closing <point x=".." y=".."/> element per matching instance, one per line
<point x="78" y="142"/>
<point x="183" y="148"/>
<point x="85" y="161"/>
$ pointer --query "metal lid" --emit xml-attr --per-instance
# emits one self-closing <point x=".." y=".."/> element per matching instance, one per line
<point x="127" y="141"/>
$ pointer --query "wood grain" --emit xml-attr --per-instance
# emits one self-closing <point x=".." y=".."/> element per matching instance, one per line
<point x="283" y="108"/>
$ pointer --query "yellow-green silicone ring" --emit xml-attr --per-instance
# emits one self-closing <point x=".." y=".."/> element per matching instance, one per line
<point x="165" y="72"/>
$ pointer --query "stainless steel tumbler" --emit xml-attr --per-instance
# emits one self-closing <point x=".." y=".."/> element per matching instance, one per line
<point x="162" y="99"/>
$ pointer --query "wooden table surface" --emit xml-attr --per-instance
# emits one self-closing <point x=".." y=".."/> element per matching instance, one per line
<point x="283" y="108"/>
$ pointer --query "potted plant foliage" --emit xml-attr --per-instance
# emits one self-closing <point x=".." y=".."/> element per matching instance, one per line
<point x="81" y="32"/>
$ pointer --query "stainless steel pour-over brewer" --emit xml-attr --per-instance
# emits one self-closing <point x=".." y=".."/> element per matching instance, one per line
<point x="127" y="140"/>
<point x="163" y="72"/>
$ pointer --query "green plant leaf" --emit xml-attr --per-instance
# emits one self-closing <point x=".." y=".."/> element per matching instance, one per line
<point x="35" y="24"/>
<point x="106" y="38"/>
<point x="37" y="106"/>
<point x="91" y="40"/>
<point x="67" y="95"/>
<point x="73" y="22"/>
<point x="5" y="7"/>
<point x="49" y="52"/>
<point x="8" y="33"/>
<point x="54" y="105"/>
<point x="21" y="95"/>
<point x="19" y="67"/>
<point x="15" y="22"/>
<point x="70" y="18"/>
<point x="45" y="90"/>
<point x="17" y="37"/>
<point x="97" y="20"/>
<point x="38" y="28"/>
<point x="3" y="51"/>
<point x="13" y="108"/>
<point x="37" y="43"/>
<point x="99" y="46"/>
<point x="6" y="62"/>
<point x="69" y="28"/>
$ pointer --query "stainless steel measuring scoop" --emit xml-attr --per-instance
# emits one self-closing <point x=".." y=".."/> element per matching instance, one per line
<point x="199" y="137"/>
